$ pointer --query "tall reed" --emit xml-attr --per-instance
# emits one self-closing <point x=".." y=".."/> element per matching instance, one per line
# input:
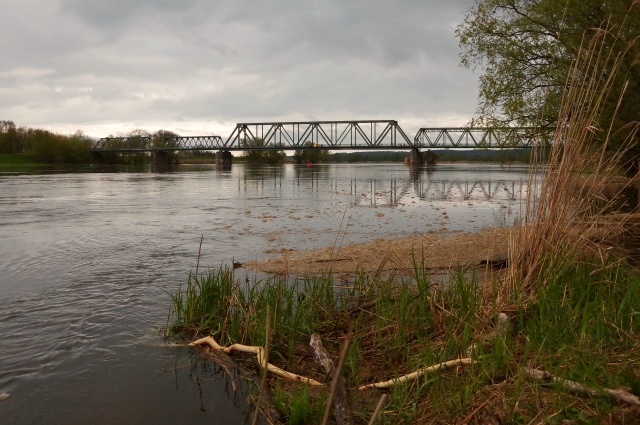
<point x="562" y="221"/>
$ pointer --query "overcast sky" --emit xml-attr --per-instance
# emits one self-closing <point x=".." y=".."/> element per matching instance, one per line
<point x="197" y="67"/>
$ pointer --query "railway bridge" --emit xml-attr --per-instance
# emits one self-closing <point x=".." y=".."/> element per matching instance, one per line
<point x="329" y="135"/>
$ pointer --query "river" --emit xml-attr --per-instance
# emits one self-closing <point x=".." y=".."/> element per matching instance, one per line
<point x="87" y="260"/>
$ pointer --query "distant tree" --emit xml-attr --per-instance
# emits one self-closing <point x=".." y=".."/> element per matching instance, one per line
<point x="312" y="154"/>
<point x="57" y="148"/>
<point x="259" y="151"/>
<point x="164" y="138"/>
<point x="138" y="139"/>
<point x="10" y="140"/>
<point x="429" y="157"/>
<point x="377" y="156"/>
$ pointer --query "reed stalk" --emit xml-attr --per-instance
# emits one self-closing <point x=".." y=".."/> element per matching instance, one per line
<point x="563" y="220"/>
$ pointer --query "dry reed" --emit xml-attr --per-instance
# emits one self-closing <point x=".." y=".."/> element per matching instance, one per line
<point x="562" y="219"/>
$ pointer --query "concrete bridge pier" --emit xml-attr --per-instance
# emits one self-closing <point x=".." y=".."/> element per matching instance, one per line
<point x="416" y="156"/>
<point x="98" y="158"/>
<point x="163" y="160"/>
<point x="159" y="159"/>
<point x="223" y="159"/>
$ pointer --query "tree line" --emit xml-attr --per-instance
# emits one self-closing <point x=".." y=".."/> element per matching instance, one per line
<point x="44" y="145"/>
<point x="48" y="147"/>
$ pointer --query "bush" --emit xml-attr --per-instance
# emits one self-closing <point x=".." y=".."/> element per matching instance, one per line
<point x="56" y="148"/>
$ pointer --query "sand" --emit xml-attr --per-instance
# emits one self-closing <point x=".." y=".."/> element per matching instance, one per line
<point x="440" y="252"/>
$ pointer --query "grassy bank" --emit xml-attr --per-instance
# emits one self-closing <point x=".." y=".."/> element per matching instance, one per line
<point x="22" y="160"/>
<point x="584" y="327"/>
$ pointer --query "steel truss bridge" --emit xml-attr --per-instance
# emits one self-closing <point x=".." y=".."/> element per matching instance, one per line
<point x="335" y="135"/>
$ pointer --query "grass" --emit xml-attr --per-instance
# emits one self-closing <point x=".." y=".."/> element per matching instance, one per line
<point x="584" y="326"/>
<point x="10" y="160"/>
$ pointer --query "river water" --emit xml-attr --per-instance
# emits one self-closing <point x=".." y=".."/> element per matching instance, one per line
<point x="87" y="260"/>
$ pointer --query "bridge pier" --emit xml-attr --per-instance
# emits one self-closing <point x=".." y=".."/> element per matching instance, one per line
<point x="105" y="158"/>
<point x="98" y="158"/>
<point x="223" y="159"/>
<point x="416" y="156"/>
<point x="162" y="160"/>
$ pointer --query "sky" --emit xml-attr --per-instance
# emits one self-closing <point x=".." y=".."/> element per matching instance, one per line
<point x="198" y="67"/>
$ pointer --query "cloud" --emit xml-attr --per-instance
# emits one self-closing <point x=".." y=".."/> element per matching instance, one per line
<point x="105" y="66"/>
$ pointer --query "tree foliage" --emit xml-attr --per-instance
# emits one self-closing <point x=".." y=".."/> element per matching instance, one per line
<point x="525" y="49"/>
<point x="57" y="148"/>
<point x="12" y="139"/>
<point x="312" y="154"/>
<point x="44" y="145"/>
<point x="164" y="138"/>
<point x="260" y="151"/>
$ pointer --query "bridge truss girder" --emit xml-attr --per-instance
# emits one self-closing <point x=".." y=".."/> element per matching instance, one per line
<point x="149" y="144"/>
<point x="482" y="137"/>
<point x="334" y="135"/>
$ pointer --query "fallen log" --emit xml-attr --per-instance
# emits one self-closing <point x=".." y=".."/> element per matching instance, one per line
<point x="342" y="410"/>
<point x="259" y="352"/>
<point x="622" y="394"/>
<point x="417" y="374"/>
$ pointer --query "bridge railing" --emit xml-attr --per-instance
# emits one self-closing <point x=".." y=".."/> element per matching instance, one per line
<point x="326" y="134"/>
<point x="483" y="137"/>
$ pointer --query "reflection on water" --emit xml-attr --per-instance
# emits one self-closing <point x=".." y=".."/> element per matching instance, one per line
<point x="87" y="259"/>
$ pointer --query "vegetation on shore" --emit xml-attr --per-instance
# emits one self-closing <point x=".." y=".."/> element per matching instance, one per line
<point x="582" y="327"/>
<point x="42" y="146"/>
<point x="22" y="160"/>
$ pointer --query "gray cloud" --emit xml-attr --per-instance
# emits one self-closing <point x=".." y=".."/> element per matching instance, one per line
<point x="200" y="66"/>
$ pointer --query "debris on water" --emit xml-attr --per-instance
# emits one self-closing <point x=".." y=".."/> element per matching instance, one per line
<point x="4" y="396"/>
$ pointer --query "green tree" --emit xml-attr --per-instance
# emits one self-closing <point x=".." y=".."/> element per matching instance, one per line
<point x="525" y="49"/>
<point x="57" y="148"/>
<point x="164" y="138"/>
<point x="10" y="140"/>
<point x="138" y="139"/>
<point x="312" y="154"/>
<point x="259" y="151"/>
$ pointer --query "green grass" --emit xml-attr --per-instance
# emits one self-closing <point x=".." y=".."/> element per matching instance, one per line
<point x="583" y="326"/>
<point x="10" y="160"/>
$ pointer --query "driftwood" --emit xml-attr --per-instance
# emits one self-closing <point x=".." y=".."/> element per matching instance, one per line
<point x="622" y="394"/>
<point x="259" y="352"/>
<point x="341" y="405"/>
<point x="417" y="374"/>
<point x="269" y="412"/>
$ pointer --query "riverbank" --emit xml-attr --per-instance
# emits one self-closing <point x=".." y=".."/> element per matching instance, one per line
<point x="441" y="353"/>
<point x="19" y="160"/>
